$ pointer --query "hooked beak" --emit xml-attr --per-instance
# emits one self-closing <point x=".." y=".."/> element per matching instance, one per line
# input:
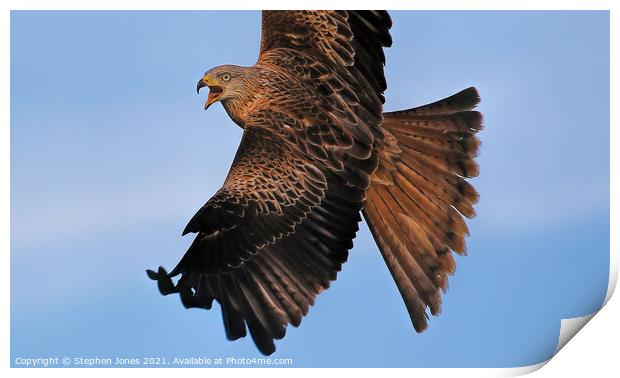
<point x="215" y="91"/>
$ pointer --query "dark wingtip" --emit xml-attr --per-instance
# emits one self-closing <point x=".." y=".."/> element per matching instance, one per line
<point x="152" y="275"/>
<point x="191" y="225"/>
<point x="267" y="349"/>
<point x="164" y="283"/>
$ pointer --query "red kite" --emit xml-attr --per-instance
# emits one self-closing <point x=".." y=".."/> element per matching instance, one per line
<point x="317" y="151"/>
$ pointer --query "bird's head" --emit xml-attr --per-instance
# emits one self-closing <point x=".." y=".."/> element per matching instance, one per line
<point x="224" y="82"/>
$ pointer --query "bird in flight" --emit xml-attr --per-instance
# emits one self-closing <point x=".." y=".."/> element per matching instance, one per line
<point x="317" y="153"/>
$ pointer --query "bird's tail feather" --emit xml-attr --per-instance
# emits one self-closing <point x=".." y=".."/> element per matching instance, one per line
<point x="419" y="194"/>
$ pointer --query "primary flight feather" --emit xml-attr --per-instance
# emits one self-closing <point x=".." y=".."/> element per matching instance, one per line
<point x="317" y="151"/>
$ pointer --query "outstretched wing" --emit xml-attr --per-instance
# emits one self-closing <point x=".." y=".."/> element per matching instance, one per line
<point x="268" y="241"/>
<point x="351" y="40"/>
<point x="277" y="232"/>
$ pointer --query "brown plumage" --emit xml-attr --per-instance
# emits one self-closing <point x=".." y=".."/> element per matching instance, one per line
<point x="316" y="152"/>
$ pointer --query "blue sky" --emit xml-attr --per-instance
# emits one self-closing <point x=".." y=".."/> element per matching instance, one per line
<point x="112" y="153"/>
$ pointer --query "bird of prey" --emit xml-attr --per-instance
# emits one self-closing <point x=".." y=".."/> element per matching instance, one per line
<point x="317" y="153"/>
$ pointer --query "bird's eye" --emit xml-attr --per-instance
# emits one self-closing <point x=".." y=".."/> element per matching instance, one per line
<point x="226" y="77"/>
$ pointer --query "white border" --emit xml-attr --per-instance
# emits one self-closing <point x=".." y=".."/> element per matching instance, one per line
<point x="279" y="4"/>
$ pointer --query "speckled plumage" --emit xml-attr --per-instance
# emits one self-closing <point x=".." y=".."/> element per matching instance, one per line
<point x="317" y="152"/>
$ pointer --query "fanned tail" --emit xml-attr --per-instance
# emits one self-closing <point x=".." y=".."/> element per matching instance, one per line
<point x="418" y="196"/>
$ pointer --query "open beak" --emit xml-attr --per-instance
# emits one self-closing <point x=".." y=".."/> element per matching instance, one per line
<point x="215" y="91"/>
